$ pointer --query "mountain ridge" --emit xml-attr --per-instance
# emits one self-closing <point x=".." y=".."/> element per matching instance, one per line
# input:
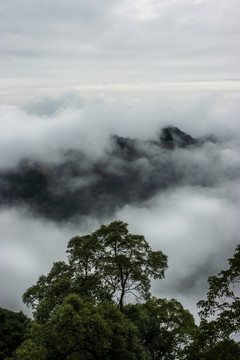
<point x="130" y="172"/>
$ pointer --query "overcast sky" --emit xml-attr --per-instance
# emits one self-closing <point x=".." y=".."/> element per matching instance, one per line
<point x="111" y="44"/>
<point x="73" y="73"/>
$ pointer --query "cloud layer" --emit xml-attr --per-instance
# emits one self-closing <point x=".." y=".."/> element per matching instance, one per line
<point x="129" y="171"/>
<point x="64" y="173"/>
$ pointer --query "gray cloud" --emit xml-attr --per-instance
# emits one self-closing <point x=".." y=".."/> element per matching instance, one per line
<point x="46" y="105"/>
<point x="87" y="124"/>
<point x="193" y="219"/>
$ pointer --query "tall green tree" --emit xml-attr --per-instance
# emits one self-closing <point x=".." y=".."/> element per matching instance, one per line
<point x="108" y="264"/>
<point x="127" y="262"/>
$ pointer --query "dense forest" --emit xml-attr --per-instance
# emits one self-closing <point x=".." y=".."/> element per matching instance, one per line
<point x="98" y="305"/>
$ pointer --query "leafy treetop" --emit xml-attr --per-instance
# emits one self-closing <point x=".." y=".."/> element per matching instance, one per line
<point x="108" y="264"/>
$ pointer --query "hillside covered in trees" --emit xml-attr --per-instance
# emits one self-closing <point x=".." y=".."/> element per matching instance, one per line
<point x="98" y="305"/>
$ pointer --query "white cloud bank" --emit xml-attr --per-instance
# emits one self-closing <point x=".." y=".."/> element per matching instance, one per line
<point x="196" y="225"/>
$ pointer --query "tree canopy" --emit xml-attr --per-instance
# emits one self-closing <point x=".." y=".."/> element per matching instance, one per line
<point x="108" y="264"/>
<point x="13" y="330"/>
<point x="81" y="329"/>
<point x="84" y="309"/>
<point x="165" y="327"/>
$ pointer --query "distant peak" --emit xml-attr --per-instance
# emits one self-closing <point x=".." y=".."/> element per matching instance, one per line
<point x="172" y="137"/>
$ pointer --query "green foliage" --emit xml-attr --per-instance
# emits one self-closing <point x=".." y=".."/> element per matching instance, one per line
<point x="223" y="299"/>
<point x="108" y="264"/>
<point x="79" y="329"/>
<point x="224" y="350"/>
<point x="213" y="338"/>
<point x="165" y="327"/>
<point x="49" y="290"/>
<point x="13" y="329"/>
<point x="204" y="348"/>
<point x="203" y="340"/>
<point x="29" y="350"/>
<point x="81" y="313"/>
<point x="127" y="262"/>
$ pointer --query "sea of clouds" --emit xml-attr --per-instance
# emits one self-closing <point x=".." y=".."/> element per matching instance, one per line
<point x="185" y="202"/>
